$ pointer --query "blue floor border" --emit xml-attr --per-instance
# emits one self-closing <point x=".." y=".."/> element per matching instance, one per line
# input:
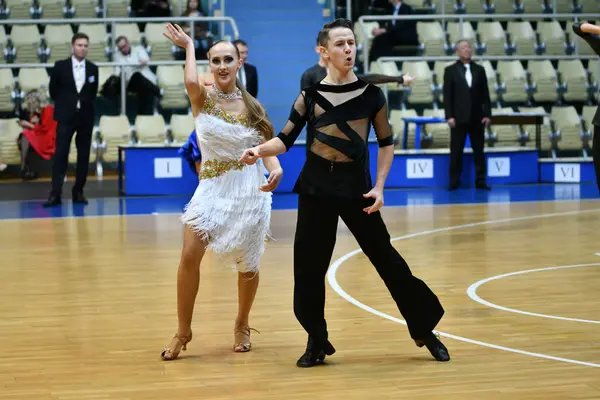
<point x="286" y="201"/>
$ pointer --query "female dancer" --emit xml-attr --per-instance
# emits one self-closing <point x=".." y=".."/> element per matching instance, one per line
<point x="228" y="214"/>
<point x="589" y="32"/>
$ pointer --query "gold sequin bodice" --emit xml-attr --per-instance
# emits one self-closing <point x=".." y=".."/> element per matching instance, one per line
<point x="212" y="108"/>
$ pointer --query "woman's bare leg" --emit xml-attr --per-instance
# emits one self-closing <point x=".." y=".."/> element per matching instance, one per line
<point x="188" y="280"/>
<point x="247" y="287"/>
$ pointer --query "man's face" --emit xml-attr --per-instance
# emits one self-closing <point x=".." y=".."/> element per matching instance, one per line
<point x="243" y="52"/>
<point x="123" y="46"/>
<point x="464" y="50"/>
<point x="80" y="48"/>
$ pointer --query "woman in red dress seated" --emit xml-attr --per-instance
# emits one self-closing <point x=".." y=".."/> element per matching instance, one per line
<point x="39" y="131"/>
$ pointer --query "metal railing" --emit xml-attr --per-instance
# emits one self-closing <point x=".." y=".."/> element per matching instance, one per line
<point x="460" y="18"/>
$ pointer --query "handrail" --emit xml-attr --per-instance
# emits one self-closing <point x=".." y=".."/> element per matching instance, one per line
<point x="456" y="17"/>
<point x="108" y="64"/>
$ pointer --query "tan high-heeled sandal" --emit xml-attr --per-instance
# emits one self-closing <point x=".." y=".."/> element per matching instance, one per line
<point x="243" y="346"/>
<point x="169" y="354"/>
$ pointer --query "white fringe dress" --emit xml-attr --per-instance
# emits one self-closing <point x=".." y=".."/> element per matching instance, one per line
<point x="228" y="210"/>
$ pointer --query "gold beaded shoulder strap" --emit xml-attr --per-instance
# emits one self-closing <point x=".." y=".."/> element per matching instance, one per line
<point x="212" y="108"/>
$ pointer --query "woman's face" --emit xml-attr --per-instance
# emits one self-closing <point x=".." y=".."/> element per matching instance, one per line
<point x="193" y="5"/>
<point x="224" y="63"/>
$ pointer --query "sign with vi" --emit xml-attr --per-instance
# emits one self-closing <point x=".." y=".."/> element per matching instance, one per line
<point x="419" y="168"/>
<point x="567" y="172"/>
<point x="498" y="166"/>
<point x="167" y="168"/>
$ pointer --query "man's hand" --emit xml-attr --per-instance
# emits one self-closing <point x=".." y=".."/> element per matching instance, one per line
<point x="273" y="180"/>
<point x="378" y="31"/>
<point x="376" y="194"/>
<point x="451" y="122"/>
<point x="407" y="80"/>
<point x="485" y="121"/>
<point x="250" y="156"/>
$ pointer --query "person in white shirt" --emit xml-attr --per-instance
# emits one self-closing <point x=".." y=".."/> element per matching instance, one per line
<point x="139" y="78"/>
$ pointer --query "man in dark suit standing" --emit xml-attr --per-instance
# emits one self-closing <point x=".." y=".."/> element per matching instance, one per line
<point x="590" y="32"/>
<point x="248" y="74"/>
<point x="468" y="110"/>
<point x="73" y="88"/>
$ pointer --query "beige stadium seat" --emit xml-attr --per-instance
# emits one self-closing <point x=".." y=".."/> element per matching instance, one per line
<point x="150" y="129"/>
<point x="568" y="123"/>
<point x="564" y="6"/>
<point x="26" y="42"/>
<point x="103" y="74"/>
<point x="420" y="91"/>
<point x="507" y="135"/>
<point x="546" y="143"/>
<point x="175" y="10"/>
<point x="431" y="35"/>
<point x="360" y="36"/>
<point x="440" y="132"/>
<point x="512" y="74"/>
<point x="574" y="75"/>
<point x="7" y="86"/>
<point x="9" y="132"/>
<point x="590" y="6"/>
<point x="448" y="4"/>
<point x="130" y="31"/>
<point x="34" y="78"/>
<point x="117" y="8"/>
<point x="98" y="41"/>
<point x="398" y="126"/>
<point x="170" y="80"/>
<point x="19" y="9"/>
<point x="490" y="74"/>
<point x="503" y="6"/>
<point x="553" y="36"/>
<point x="439" y="68"/>
<point x="454" y="31"/>
<point x="52" y="9"/>
<point x="474" y="6"/>
<point x="181" y="127"/>
<point x="587" y="114"/>
<point x="58" y="40"/>
<point x="114" y="131"/>
<point x="492" y="34"/>
<point x="3" y="42"/>
<point x="544" y="76"/>
<point x="531" y="6"/>
<point x="386" y="68"/>
<point x="85" y="8"/>
<point x="161" y="48"/>
<point x="523" y="36"/>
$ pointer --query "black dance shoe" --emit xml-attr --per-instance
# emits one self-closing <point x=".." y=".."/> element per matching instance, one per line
<point x="435" y="347"/>
<point x="313" y="356"/>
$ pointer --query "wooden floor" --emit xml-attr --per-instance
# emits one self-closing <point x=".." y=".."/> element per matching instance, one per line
<point x="87" y="304"/>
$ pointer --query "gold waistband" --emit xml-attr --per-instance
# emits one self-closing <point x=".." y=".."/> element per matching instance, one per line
<point x="214" y="168"/>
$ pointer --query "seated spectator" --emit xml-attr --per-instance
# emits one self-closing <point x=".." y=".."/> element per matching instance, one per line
<point x="202" y="37"/>
<point x="139" y="77"/>
<point x="39" y="131"/>
<point x="394" y="33"/>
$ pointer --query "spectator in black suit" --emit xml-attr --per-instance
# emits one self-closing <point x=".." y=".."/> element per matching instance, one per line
<point x="467" y="106"/>
<point x="248" y="74"/>
<point x="73" y="88"/>
<point x="589" y="33"/>
<point x="394" y="32"/>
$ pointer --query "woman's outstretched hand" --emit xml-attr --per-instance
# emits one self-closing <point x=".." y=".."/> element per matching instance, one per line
<point x="176" y="35"/>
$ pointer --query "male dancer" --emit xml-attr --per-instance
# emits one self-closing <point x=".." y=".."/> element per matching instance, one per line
<point x="589" y="33"/>
<point x="335" y="182"/>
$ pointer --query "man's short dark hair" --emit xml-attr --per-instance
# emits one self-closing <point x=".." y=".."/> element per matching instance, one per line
<point x="118" y="39"/>
<point x="239" y="41"/>
<point x="79" y="35"/>
<point x="337" y="23"/>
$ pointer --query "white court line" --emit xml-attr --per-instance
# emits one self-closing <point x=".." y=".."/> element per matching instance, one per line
<point x="331" y="277"/>
<point x="472" y="292"/>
